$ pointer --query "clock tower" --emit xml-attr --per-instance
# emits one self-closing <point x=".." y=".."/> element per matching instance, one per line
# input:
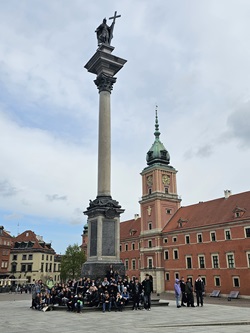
<point x="159" y="202"/>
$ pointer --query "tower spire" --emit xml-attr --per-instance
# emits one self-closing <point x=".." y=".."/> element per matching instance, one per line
<point x="157" y="132"/>
<point x="157" y="153"/>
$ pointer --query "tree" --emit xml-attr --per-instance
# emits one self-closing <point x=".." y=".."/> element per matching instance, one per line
<point x="71" y="263"/>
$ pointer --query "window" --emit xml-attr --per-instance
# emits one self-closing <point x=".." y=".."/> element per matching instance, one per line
<point x="13" y="268"/>
<point x="133" y="264"/>
<point x="50" y="258"/>
<point x="150" y="262"/>
<point x="247" y="232"/>
<point x="236" y="281"/>
<point x="199" y="238"/>
<point x="165" y="240"/>
<point x="46" y="267"/>
<point x="168" y="211"/>
<point x="43" y="257"/>
<point x="133" y="246"/>
<point x="4" y="264"/>
<point x="166" y="190"/>
<point x="120" y="248"/>
<point x="149" y="190"/>
<point x="126" y="264"/>
<point x="50" y="267"/>
<point x="42" y="264"/>
<point x="175" y="254"/>
<point x="29" y="268"/>
<point x="204" y="280"/>
<point x="47" y="257"/>
<point x="187" y="238"/>
<point x="150" y="226"/>
<point x="126" y="247"/>
<point x="248" y="259"/>
<point x="227" y="234"/>
<point x="54" y="267"/>
<point x="167" y="276"/>
<point x="213" y="236"/>
<point x="215" y="261"/>
<point x="217" y="281"/>
<point x="150" y="243"/>
<point x="177" y="275"/>
<point x="24" y="257"/>
<point x="189" y="262"/>
<point x="14" y="256"/>
<point x="23" y="268"/>
<point x="201" y="261"/>
<point x="166" y="255"/>
<point x="230" y="260"/>
<point x="174" y="239"/>
<point x="30" y="257"/>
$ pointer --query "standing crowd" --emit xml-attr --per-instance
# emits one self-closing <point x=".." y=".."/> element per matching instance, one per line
<point x="110" y="293"/>
<point x="184" y="292"/>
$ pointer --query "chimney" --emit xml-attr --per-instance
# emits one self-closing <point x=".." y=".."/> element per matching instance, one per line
<point x="227" y="193"/>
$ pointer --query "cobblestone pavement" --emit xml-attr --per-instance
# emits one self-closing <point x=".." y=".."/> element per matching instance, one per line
<point x="17" y="317"/>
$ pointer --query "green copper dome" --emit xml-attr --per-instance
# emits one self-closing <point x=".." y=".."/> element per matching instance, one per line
<point x="157" y="153"/>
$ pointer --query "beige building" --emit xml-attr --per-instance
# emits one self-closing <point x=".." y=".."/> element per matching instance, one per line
<point x="32" y="258"/>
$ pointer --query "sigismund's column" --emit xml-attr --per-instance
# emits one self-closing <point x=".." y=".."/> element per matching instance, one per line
<point x="104" y="212"/>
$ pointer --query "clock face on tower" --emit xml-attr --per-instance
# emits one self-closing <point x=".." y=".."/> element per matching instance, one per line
<point x="149" y="180"/>
<point x="165" y="179"/>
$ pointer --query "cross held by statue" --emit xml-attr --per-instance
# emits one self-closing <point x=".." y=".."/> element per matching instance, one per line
<point x="114" y="17"/>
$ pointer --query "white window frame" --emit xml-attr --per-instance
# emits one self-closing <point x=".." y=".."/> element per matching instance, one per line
<point x="212" y="232"/>
<point x="186" y="239"/>
<point x="212" y="260"/>
<point x="148" y="260"/>
<point x="199" y="234"/>
<point x="246" y="232"/>
<point x="225" y="232"/>
<point x="217" y="277"/>
<point x="166" y="251"/>
<point x="199" y="263"/>
<point x="230" y="254"/>
<point x="177" y="254"/>
<point x="248" y="258"/>
<point x="236" y="277"/>
<point x="189" y="257"/>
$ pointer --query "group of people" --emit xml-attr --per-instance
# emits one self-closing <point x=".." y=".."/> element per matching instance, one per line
<point x="110" y="293"/>
<point x="184" y="292"/>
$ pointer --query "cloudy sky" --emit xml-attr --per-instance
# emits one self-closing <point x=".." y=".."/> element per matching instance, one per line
<point x="190" y="57"/>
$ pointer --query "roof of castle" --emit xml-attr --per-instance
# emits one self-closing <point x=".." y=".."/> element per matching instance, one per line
<point x="218" y="211"/>
<point x="130" y="228"/>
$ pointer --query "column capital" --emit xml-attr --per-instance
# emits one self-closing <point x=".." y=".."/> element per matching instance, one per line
<point x="105" y="82"/>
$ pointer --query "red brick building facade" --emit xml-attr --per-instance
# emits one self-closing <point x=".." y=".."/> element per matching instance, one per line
<point x="6" y="241"/>
<point x="169" y="241"/>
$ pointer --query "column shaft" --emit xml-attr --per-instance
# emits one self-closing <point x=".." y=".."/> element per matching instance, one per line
<point x="104" y="146"/>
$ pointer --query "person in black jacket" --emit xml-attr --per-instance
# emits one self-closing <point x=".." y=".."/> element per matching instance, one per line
<point x="136" y="293"/>
<point x="183" y="294"/>
<point x="199" y="290"/>
<point x="189" y="293"/>
<point x="147" y="286"/>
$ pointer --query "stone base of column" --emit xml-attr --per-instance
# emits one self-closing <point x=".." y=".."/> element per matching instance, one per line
<point x="95" y="270"/>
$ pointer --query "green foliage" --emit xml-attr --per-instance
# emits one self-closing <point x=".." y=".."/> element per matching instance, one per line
<point x="71" y="263"/>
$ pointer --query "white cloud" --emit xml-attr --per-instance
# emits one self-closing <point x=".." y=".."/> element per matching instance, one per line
<point x="191" y="58"/>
